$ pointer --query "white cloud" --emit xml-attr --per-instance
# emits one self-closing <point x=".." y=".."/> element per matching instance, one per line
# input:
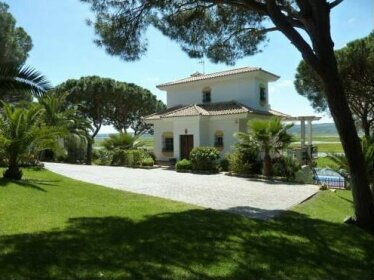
<point x="352" y="20"/>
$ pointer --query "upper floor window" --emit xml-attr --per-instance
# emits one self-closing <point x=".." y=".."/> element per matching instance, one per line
<point x="262" y="95"/>
<point x="207" y="95"/>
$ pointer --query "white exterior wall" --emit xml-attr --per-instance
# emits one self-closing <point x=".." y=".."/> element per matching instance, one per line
<point x="159" y="128"/>
<point x="228" y="126"/>
<point x="203" y="130"/>
<point x="191" y="125"/>
<point x="243" y="88"/>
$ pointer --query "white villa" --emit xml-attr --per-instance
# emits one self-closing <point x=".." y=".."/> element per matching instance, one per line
<point x="207" y="109"/>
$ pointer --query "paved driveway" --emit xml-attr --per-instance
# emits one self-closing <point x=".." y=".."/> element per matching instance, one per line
<point x="245" y="196"/>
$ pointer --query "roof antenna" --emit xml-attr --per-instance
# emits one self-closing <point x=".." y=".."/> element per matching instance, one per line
<point x="202" y="61"/>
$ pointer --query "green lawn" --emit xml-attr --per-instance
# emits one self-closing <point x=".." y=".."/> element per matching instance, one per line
<point x="325" y="162"/>
<point x="330" y="147"/>
<point x="56" y="228"/>
<point x="324" y="138"/>
<point x="325" y="143"/>
<point x="324" y="147"/>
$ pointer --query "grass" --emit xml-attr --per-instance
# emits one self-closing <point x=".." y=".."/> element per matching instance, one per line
<point x="325" y="143"/>
<point x="330" y="147"/>
<point x="324" y="147"/>
<point x="321" y="138"/>
<point x="57" y="228"/>
<point x="325" y="162"/>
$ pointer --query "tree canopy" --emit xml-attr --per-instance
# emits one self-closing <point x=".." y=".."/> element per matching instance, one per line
<point x="104" y="101"/>
<point x="356" y="66"/>
<point x="129" y="104"/>
<point x="15" y="43"/>
<point x="225" y="31"/>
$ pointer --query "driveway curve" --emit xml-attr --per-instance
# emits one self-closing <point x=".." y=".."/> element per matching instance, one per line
<point x="254" y="198"/>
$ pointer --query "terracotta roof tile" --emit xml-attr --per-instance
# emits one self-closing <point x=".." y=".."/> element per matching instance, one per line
<point x="198" y="76"/>
<point x="210" y="109"/>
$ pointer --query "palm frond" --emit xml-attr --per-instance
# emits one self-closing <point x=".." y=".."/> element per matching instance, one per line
<point x="23" y="78"/>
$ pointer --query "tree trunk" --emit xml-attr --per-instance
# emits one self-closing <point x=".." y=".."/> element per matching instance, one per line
<point x="90" y="142"/>
<point x="364" y="208"/>
<point x="13" y="172"/>
<point x="267" y="165"/>
<point x="365" y="126"/>
<point x="321" y="57"/>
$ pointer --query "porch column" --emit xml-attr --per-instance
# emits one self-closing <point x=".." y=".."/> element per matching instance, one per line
<point x="310" y="130"/>
<point x="302" y="132"/>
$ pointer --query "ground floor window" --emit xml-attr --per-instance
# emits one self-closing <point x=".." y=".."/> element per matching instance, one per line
<point x="218" y="139"/>
<point x="167" y="142"/>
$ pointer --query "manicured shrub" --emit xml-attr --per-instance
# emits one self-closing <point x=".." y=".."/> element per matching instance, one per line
<point x="285" y="167"/>
<point x="130" y="158"/>
<point x="224" y="164"/>
<point x="245" y="162"/>
<point x="152" y="155"/>
<point x="76" y="150"/>
<point x="148" y="161"/>
<point x="138" y="156"/>
<point x="205" y="159"/>
<point x="102" y="157"/>
<point x="183" y="165"/>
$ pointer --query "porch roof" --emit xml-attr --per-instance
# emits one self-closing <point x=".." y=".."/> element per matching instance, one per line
<point x="211" y="109"/>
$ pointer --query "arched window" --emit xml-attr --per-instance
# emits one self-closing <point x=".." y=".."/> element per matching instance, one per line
<point x="167" y="142"/>
<point x="207" y="95"/>
<point x="262" y="95"/>
<point x="218" y="139"/>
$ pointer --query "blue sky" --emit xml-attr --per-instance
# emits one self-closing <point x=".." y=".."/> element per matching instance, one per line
<point x="64" y="49"/>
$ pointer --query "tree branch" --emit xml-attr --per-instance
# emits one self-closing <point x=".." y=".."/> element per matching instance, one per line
<point x="249" y="4"/>
<point x="335" y="3"/>
<point x="285" y="26"/>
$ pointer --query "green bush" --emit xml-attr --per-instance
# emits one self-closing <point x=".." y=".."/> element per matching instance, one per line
<point x="102" y="157"/>
<point x="75" y="149"/>
<point x="205" y="159"/>
<point x="245" y="161"/>
<point x="152" y="155"/>
<point x="183" y="164"/>
<point x="129" y="158"/>
<point x="148" y="162"/>
<point x="285" y="167"/>
<point x="224" y="164"/>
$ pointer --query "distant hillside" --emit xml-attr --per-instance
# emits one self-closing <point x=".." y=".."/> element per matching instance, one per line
<point x="318" y="129"/>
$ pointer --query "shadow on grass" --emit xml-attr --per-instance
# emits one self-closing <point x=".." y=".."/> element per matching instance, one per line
<point x="33" y="184"/>
<point x="196" y="244"/>
<point x="343" y="198"/>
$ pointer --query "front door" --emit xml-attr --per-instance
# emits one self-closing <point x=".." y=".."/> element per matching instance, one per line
<point x="186" y="145"/>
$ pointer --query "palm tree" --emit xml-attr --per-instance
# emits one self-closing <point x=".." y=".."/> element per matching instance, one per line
<point x="368" y="151"/>
<point x="23" y="131"/>
<point x="58" y="114"/>
<point x="14" y="78"/>
<point x="122" y="141"/>
<point x="270" y="135"/>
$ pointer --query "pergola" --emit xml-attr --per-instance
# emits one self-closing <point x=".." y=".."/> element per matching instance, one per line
<point x="305" y="120"/>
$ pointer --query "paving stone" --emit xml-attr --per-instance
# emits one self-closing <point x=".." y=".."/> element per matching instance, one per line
<point x="249" y="197"/>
